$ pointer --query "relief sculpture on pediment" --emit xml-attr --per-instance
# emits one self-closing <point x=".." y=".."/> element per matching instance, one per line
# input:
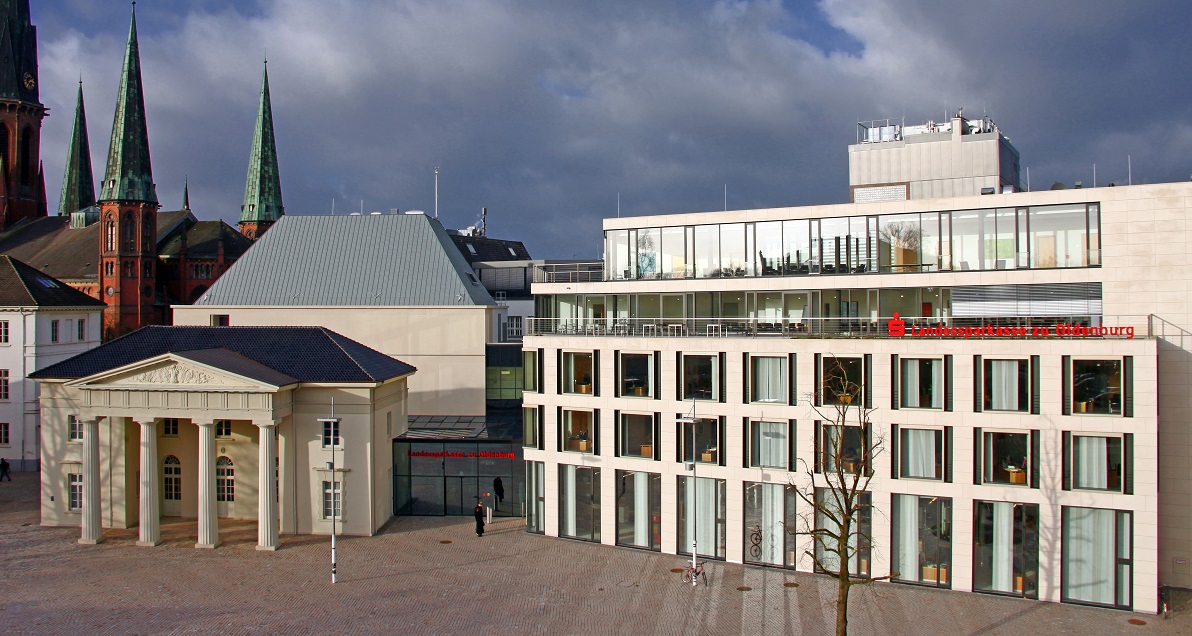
<point x="173" y="374"/>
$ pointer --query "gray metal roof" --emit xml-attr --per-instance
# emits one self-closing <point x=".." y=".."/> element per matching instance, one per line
<point x="358" y="260"/>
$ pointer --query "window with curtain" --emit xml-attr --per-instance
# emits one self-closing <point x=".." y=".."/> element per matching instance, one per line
<point x="1007" y="385"/>
<point x="1007" y="458"/>
<point x="843" y="445"/>
<point x="579" y="502"/>
<point x="1097" y="462"/>
<point x="769" y="521"/>
<point x="639" y="509"/>
<point x="857" y="552"/>
<point x="637" y="375"/>
<point x="768" y="379"/>
<point x="922" y="383"/>
<point x="921" y="453"/>
<point x="702" y="516"/>
<point x="1097" y="556"/>
<point x="768" y="444"/>
<point x="1097" y="386"/>
<point x="1006" y="548"/>
<point x="922" y="535"/>
<point x="637" y="435"/>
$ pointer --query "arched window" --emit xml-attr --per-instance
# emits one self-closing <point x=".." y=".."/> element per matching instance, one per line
<point x="26" y="156"/>
<point x="171" y="479"/>
<point x="147" y="229"/>
<point x="130" y="232"/>
<point x="225" y="480"/>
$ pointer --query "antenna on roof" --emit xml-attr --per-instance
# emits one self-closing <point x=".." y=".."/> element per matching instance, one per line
<point x="726" y="197"/>
<point x="483" y="221"/>
<point x="618" y="205"/>
<point x="436" y="192"/>
<point x="332" y="206"/>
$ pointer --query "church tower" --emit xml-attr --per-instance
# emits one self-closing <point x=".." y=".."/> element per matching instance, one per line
<point x="22" y="185"/>
<point x="128" y="208"/>
<point x="262" y="191"/>
<point x="78" y="182"/>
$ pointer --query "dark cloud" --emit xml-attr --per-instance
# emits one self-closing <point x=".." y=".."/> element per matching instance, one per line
<point x="544" y="111"/>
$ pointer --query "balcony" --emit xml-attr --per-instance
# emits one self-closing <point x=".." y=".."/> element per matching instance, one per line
<point x="1010" y="327"/>
<point x="580" y="272"/>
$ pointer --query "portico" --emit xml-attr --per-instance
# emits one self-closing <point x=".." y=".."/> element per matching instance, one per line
<point x="213" y="434"/>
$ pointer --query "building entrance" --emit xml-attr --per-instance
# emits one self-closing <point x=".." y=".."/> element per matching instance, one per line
<point x="449" y="477"/>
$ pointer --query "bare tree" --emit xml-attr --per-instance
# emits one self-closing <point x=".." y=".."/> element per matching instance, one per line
<point x="837" y="493"/>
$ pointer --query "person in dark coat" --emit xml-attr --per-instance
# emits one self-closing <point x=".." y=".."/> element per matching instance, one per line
<point x="499" y="489"/>
<point x="4" y="469"/>
<point x="479" y="514"/>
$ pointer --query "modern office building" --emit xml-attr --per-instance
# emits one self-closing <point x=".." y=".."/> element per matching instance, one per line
<point x="1023" y="360"/>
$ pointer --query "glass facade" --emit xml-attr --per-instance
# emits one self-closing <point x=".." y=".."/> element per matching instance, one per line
<point x="535" y="497"/>
<point x="639" y="510"/>
<point x="828" y="520"/>
<point x="702" y="516"/>
<point x="1036" y="237"/>
<point x="579" y="502"/>
<point x="770" y="524"/>
<point x="1006" y="548"/>
<point x="922" y="537"/>
<point x="1098" y="556"/>
<point x="448" y="478"/>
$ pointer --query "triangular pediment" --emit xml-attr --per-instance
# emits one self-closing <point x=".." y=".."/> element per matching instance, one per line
<point x="170" y="372"/>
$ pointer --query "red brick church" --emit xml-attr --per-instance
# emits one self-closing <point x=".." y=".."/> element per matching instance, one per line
<point x="120" y="248"/>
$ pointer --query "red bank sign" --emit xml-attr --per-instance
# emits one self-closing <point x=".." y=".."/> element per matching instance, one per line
<point x="461" y="454"/>
<point x="898" y="328"/>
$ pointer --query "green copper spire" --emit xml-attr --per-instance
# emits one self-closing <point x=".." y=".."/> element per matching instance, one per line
<point x="78" y="183"/>
<point x="129" y="176"/>
<point x="262" y="191"/>
<point x="186" y="194"/>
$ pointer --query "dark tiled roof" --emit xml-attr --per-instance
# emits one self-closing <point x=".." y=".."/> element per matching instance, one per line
<point x="306" y="354"/>
<point x="235" y="363"/>
<point x="490" y="249"/>
<point x="202" y="241"/>
<point x="23" y="286"/>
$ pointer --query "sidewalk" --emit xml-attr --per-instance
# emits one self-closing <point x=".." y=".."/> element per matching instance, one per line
<point x="432" y="575"/>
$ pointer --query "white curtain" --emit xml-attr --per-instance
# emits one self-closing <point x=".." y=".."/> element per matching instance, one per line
<point x="773" y="529"/>
<point x="769" y="444"/>
<point x="1003" y="546"/>
<point x="830" y="560"/>
<point x="906" y="510"/>
<point x="568" y="489"/>
<point x="1092" y="470"/>
<point x="1003" y="376"/>
<point x="702" y="513"/>
<point x="831" y="446"/>
<point x="641" y="510"/>
<point x="1089" y="535"/>
<point x="937" y="384"/>
<point x="918" y="453"/>
<point x="910" y="384"/>
<point x="769" y="379"/>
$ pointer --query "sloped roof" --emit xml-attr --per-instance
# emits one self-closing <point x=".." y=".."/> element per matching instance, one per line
<point x="305" y="354"/>
<point x="24" y="286"/>
<point x="483" y="248"/>
<point x="202" y="241"/>
<point x="233" y="362"/>
<point x="358" y="260"/>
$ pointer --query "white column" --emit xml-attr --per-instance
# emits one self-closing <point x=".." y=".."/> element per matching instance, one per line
<point x="267" y="490"/>
<point x="208" y="518"/>
<point x="92" y="532"/>
<point x="149" y="523"/>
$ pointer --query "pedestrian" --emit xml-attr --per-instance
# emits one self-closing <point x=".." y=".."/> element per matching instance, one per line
<point x="499" y="488"/>
<point x="4" y="469"/>
<point x="479" y="514"/>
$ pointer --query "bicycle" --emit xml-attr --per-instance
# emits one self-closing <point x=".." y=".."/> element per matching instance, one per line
<point x="755" y="541"/>
<point x="692" y="574"/>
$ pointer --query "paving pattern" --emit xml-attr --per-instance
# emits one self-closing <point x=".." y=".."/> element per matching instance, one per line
<point x="434" y="576"/>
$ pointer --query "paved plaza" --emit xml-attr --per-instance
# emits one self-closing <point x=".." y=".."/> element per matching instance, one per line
<point x="434" y="576"/>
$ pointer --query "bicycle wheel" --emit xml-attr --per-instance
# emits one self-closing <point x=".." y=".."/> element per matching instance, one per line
<point x="704" y="575"/>
<point x="755" y="551"/>
<point x="687" y="575"/>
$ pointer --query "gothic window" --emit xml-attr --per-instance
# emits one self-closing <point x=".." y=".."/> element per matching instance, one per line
<point x="109" y="234"/>
<point x="147" y="229"/>
<point x="130" y="232"/>
<point x="109" y="268"/>
<point x="26" y="156"/>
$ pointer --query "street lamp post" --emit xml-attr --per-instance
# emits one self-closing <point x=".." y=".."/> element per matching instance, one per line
<point x="335" y="502"/>
<point x="694" y="495"/>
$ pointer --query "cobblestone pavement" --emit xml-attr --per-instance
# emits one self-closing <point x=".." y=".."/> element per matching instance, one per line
<point x="434" y="576"/>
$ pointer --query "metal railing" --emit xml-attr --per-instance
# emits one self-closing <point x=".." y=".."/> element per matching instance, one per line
<point x="1009" y="327"/>
<point x="569" y="272"/>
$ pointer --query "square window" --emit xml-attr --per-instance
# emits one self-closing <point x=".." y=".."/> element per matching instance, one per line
<point x="842" y="380"/>
<point x="843" y="448"/>
<point x="1007" y="458"/>
<point x="769" y="444"/>
<point x="1097" y="387"/>
<point x="1097" y="462"/>
<point x="74" y="429"/>
<point x="578" y="432"/>
<point x="707" y="440"/>
<point x="920" y="453"/>
<point x="331" y="436"/>
<point x="701" y="377"/>
<point x="577" y="373"/>
<point x="1007" y="385"/>
<point x="767" y="380"/>
<point x="922" y="383"/>
<point x="220" y="320"/>
<point x="637" y="435"/>
<point x="637" y="375"/>
<point x="74" y="485"/>
<point x="223" y="428"/>
<point x="169" y="427"/>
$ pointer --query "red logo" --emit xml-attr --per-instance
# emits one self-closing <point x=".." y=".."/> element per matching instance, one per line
<point x="896" y="326"/>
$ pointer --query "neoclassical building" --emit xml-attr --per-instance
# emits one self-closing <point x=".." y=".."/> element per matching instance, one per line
<point x="222" y="422"/>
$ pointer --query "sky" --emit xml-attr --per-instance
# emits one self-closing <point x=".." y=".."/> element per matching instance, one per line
<point x="550" y="112"/>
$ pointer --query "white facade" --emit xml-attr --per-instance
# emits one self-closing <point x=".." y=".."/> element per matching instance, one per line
<point x="1067" y="447"/>
<point x="33" y="338"/>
